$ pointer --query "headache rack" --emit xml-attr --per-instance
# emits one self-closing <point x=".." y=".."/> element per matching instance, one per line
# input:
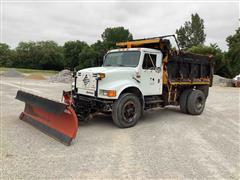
<point x="155" y="43"/>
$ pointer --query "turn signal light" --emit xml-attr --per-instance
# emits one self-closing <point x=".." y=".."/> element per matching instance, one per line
<point x="111" y="93"/>
<point x="101" y="75"/>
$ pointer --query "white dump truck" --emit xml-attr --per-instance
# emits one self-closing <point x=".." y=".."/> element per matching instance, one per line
<point x="139" y="75"/>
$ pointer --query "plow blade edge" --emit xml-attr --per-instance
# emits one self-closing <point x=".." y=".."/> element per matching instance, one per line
<point x="56" y="119"/>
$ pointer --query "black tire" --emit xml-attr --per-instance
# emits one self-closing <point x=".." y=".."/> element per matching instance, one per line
<point x="126" y="110"/>
<point x="196" y="102"/>
<point x="183" y="100"/>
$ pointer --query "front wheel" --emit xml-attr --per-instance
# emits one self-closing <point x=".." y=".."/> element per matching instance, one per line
<point x="126" y="110"/>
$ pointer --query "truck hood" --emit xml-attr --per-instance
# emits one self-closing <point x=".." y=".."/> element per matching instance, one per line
<point x="115" y="77"/>
<point x="109" y="70"/>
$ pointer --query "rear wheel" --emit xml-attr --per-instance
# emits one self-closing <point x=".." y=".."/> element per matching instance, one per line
<point x="196" y="102"/>
<point x="183" y="100"/>
<point x="126" y="110"/>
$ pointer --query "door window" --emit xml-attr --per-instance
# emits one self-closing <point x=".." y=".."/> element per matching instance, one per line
<point x="149" y="61"/>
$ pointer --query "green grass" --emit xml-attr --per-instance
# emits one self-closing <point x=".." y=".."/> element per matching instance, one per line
<point x="30" y="71"/>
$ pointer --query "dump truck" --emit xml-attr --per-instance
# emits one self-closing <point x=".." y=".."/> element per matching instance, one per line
<point x="137" y="76"/>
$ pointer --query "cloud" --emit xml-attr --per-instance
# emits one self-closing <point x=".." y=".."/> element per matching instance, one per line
<point x="62" y="21"/>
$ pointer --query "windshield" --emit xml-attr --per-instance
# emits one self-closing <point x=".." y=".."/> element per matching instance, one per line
<point x="123" y="58"/>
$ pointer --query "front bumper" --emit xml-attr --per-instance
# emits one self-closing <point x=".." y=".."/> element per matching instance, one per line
<point x="85" y="105"/>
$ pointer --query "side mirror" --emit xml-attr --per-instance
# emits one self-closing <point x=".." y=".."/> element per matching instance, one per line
<point x="159" y="60"/>
<point x="104" y="57"/>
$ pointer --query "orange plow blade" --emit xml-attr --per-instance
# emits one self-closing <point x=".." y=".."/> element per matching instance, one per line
<point x="56" y="119"/>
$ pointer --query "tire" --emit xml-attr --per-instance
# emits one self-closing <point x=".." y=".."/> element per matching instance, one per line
<point x="196" y="102"/>
<point x="183" y="100"/>
<point x="126" y="110"/>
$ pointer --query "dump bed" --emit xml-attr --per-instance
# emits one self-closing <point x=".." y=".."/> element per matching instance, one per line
<point x="189" y="68"/>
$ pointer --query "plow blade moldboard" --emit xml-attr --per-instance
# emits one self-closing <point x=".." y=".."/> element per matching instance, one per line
<point x="56" y="119"/>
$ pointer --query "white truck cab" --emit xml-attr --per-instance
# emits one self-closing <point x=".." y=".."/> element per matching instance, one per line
<point x="139" y="68"/>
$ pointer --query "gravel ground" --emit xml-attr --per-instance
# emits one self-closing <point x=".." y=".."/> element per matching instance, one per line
<point x="164" y="144"/>
<point x="63" y="76"/>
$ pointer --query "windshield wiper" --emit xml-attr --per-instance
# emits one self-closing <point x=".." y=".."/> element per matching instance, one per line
<point x="121" y="65"/>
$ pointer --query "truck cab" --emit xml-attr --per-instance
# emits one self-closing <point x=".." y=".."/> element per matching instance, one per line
<point x="139" y="68"/>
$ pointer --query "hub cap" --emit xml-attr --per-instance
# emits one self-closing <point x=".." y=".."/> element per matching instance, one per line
<point x="199" y="103"/>
<point x="129" y="111"/>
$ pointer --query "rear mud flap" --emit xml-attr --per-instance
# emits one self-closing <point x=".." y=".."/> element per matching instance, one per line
<point x="56" y="119"/>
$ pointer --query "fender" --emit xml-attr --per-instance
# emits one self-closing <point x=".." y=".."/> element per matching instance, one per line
<point x="120" y="86"/>
<point x="129" y="86"/>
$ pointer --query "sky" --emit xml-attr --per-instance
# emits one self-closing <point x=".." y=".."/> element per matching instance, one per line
<point x="62" y="21"/>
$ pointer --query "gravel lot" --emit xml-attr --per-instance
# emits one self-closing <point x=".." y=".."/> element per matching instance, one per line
<point x="164" y="144"/>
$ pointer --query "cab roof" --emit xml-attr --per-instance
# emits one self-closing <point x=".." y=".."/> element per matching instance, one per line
<point x="135" y="49"/>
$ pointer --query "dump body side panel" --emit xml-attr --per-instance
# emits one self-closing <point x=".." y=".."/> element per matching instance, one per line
<point x="187" y="68"/>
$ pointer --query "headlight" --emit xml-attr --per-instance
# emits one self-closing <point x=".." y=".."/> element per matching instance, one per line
<point x="109" y="93"/>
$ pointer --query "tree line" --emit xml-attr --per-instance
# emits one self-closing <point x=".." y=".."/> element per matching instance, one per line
<point x="49" y="55"/>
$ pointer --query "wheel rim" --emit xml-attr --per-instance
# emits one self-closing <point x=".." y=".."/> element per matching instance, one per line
<point x="199" y="103"/>
<point x="129" y="111"/>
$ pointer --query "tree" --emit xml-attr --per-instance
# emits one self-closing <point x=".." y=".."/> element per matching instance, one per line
<point x="109" y="38"/>
<point x="72" y="50"/>
<point x="39" y="55"/>
<point x="116" y="34"/>
<point x="233" y="54"/>
<point x="88" y="58"/>
<point x="192" y="33"/>
<point x="100" y="49"/>
<point x="25" y="54"/>
<point x="6" y="55"/>
<point x="50" y="55"/>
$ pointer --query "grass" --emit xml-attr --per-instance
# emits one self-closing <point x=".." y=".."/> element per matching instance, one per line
<point x="30" y="71"/>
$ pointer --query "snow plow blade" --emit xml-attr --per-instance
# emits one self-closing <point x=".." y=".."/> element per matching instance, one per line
<point x="56" y="119"/>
